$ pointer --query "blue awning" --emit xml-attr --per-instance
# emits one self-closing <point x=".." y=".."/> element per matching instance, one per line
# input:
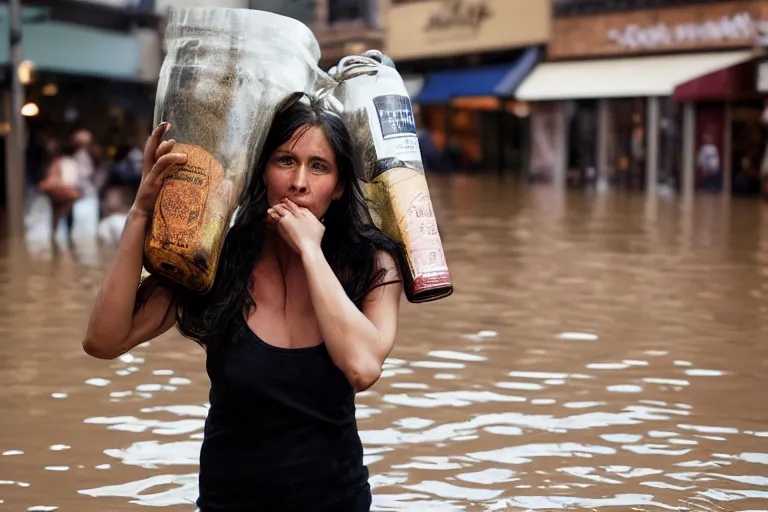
<point x="497" y="80"/>
<point x="519" y="72"/>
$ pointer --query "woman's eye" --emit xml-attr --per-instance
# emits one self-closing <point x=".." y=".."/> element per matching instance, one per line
<point x="319" y="167"/>
<point x="285" y="160"/>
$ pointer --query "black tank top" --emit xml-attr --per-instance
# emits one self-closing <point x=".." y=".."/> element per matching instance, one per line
<point x="281" y="433"/>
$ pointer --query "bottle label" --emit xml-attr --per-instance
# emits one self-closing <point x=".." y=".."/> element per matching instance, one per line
<point x="183" y="197"/>
<point x="402" y="208"/>
<point x="182" y="201"/>
<point x="389" y="133"/>
<point x="423" y="238"/>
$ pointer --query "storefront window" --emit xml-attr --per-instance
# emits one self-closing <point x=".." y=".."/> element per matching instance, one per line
<point x="670" y="142"/>
<point x="627" y="142"/>
<point x="515" y="136"/>
<point x="351" y="11"/>
<point x="582" y="143"/>
<point x="464" y="149"/>
<point x="748" y="133"/>
<point x="432" y="122"/>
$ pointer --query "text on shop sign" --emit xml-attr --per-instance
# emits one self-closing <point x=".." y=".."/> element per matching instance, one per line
<point x="739" y="27"/>
<point x="459" y="14"/>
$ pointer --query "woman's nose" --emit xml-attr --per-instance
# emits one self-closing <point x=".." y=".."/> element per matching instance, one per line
<point x="300" y="181"/>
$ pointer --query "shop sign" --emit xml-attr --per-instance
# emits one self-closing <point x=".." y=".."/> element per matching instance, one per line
<point x="432" y="28"/>
<point x="740" y="27"/>
<point x="701" y="27"/>
<point x="459" y="14"/>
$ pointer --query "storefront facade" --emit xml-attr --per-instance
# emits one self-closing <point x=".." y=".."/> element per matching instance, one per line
<point x="462" y="61"/>
<point x="90" y="64"/>
<point x="650" y="99"/>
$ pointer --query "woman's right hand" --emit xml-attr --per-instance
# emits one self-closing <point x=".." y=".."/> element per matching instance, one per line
<point x="158" y="163"/>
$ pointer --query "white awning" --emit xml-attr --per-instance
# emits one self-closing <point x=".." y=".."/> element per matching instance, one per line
<point x="631" y="77"/>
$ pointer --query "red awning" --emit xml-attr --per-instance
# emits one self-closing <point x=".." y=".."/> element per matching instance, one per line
<point x="731" y="83"/>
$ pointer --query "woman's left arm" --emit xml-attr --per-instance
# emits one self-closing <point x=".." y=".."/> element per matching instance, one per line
<point x="357" y="341"/>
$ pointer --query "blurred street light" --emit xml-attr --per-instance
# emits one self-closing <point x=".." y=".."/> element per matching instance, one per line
<point x="30" y="109"/>
<point x="50" y="89"/>
<point x="26" y="72"/>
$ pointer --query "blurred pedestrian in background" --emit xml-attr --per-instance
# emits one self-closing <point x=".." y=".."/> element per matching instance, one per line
<point x="117" y="194"/>
<point x="126" y="171"/>
<point x="63" y="186"/>
<point x="115" y="206"/>
<point x="82" y="140"/>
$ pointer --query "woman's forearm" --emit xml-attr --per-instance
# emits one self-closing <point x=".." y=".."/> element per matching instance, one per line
<point x="351" y="339"/>
<point x="112" y="315"/>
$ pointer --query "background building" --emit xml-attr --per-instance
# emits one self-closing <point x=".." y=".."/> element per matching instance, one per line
<point x="648" y="94"/>
<point x="87" y="64"/>
<point x="463" y="60"/>
<point x="345" y="27"/>
<point x="342" y="27"/>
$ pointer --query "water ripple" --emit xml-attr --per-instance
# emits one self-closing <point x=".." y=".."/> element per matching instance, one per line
<point x="600" y="352"/>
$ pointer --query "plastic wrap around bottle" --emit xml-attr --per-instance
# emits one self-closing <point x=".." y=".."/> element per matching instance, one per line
<point x="378" y="113"/>
<point x="225" y="75"/>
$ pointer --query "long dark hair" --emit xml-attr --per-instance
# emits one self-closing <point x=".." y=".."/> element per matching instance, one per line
<point x="350" y="243"/>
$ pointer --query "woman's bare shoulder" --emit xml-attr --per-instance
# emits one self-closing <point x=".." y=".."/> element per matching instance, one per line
<point x="385" y="261"/>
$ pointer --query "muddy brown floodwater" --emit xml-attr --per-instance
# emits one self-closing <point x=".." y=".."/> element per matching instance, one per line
<point x="600" y="353"/>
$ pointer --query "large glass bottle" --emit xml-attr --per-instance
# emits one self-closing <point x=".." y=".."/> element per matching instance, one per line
<point x="225" y="74"/>
<point x="378" y="114"/>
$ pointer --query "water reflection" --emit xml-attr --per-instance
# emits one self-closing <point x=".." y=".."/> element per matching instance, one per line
<point x="593" y="357"/>
<point x="143" y="492"/>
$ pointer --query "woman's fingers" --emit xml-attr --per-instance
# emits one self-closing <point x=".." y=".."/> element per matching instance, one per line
<point x="166" y="164"/>
<point x="155" y="136"/>
<point x="274" y="216"/>
<point x="281" y="209"/>
<point x="291" y="206"/>
<point x="297" y="210"/>
<point x="154" y="141"/>
<point x="164" y="148"/>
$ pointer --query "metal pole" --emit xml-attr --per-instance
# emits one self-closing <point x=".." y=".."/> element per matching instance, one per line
<point x="689" y="149"/>
<point x="652" y="158"/>
<point x="14" y="176"/>
<point x="603" y="118"/>
<point x="563" y="143"/>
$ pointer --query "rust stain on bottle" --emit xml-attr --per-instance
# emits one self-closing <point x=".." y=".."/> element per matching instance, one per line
<point x="401" y="207"/>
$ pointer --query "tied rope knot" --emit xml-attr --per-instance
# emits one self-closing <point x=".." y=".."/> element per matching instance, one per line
<point x="348" y="68"/>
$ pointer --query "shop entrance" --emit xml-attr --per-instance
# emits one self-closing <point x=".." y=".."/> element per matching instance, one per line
<point x="581" y="167"/>
<point x="627" y="143"/>
<point x="748" y="146"/>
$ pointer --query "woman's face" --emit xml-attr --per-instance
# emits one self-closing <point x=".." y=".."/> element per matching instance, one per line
<point x="304" y="170"/>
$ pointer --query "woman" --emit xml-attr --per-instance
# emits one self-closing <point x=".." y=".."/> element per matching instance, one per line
<point x="301" y="316"/>
<point x="62" y="186"/>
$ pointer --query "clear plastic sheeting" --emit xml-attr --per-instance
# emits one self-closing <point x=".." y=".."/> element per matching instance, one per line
<point x="225" y="75"/>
